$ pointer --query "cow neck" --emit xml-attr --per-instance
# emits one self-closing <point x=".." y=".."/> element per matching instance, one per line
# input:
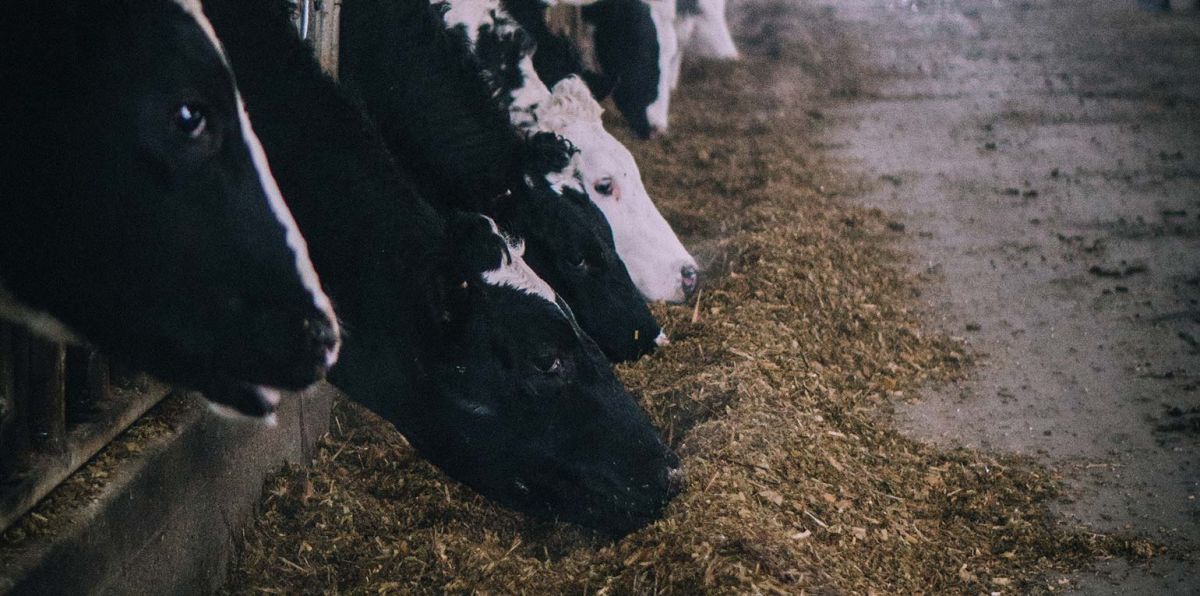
<point x="435" y="111"/>
<point x="368" y="231"/>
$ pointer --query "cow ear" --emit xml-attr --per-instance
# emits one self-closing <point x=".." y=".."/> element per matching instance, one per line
<point x="601" y="85"/>
<point x="546" y="152"/>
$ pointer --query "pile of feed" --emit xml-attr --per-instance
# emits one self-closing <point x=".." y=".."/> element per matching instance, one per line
<point x="776" y="392"/>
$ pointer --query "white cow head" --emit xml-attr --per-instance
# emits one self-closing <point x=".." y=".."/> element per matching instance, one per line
<point x="660" y="266"/>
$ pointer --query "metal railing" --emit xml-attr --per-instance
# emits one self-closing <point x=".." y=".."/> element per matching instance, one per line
<point x="58" y="408"/>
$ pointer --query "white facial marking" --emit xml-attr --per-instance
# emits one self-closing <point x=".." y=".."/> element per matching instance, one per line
<point x="644" y="240"/>
<point x="527" y="97"/>
<point x="662" y="340"/>
<point x="662" y="12"/>
<point x="295" y="241"/>
<point x="515" y="273"/>
<point x="473" y="15"/>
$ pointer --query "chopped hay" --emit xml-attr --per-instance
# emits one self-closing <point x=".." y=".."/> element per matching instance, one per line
<point x="776" y="390"/>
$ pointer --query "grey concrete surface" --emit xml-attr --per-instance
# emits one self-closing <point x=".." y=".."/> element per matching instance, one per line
<point x="1045" y="158"/>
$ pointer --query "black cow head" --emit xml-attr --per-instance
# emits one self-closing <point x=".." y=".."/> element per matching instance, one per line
<point x="529" y="412"/>
<point x="139" y="209"/>
<point x="570" y="245"/>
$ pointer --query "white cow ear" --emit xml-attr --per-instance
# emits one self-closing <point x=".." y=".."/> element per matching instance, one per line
<point x="570" y="101"/>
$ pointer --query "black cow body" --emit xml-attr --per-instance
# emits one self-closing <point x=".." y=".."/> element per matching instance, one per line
<point x="449" y="336"/>
<point x="438" y="114"/>
<point x="138" y="213"/>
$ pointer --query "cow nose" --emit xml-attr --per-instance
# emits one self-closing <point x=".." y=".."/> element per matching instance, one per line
<point x="690" y="280"/>
<point x="655" y="132"/>
<point x="323" y="339"/>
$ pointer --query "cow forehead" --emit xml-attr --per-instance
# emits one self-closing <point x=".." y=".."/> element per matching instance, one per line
<point x="473" y="15"/>
<point x="601" y="154"/>
<point x="516" y="274"/>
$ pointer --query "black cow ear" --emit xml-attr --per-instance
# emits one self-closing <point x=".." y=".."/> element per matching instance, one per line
<point x="546" y="152"/>
<point x="601" y="85"/>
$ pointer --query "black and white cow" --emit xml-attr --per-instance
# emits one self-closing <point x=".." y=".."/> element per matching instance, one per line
<point x="636" y="47"/>
<point x="438" y="116"/>
<point x="450" y="335"/>
<point x="660" y="266"/>
<point x="138" y="211"/>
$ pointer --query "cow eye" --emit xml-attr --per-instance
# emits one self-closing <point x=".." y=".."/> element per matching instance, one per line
<point x="190" y="119"/>
<point x="604" y="186"/>
<point x="553" y="367"/>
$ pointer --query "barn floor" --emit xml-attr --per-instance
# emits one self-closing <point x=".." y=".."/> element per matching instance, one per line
<point x="873" y="180"/>
<point x="1047" y="156"/>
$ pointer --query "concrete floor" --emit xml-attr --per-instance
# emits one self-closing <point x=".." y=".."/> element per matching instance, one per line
<point x="1045" y="158"/>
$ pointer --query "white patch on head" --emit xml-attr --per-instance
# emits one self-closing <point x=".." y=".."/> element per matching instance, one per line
<point x="644" y="240"/>
<point x="473" y="15"/>
<point x="295" y="241"/>
<point x="196" y="11"/>
<point x="525" y="99"/>
<point x="514" y="272"/>
<point x="662" y="12"/>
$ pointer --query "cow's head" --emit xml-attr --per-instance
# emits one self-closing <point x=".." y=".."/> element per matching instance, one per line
<point x="153" y="227"/>
<point x="570" y="245"/>
<point x="528" y="410"/>
<point x="660" y="266"/>
<point x="636" y="45"/>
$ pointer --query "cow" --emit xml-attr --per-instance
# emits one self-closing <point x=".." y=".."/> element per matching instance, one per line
<point x="450" y="336"/>
<point x="437" y="115"/>
<point x="636" y="45"/>
<point x="514" y="50"/>
<point x="658" y="262"/>
<point x="139" y="212"/>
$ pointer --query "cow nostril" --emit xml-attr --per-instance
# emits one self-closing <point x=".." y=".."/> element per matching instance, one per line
<point x="689" y="279"/>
